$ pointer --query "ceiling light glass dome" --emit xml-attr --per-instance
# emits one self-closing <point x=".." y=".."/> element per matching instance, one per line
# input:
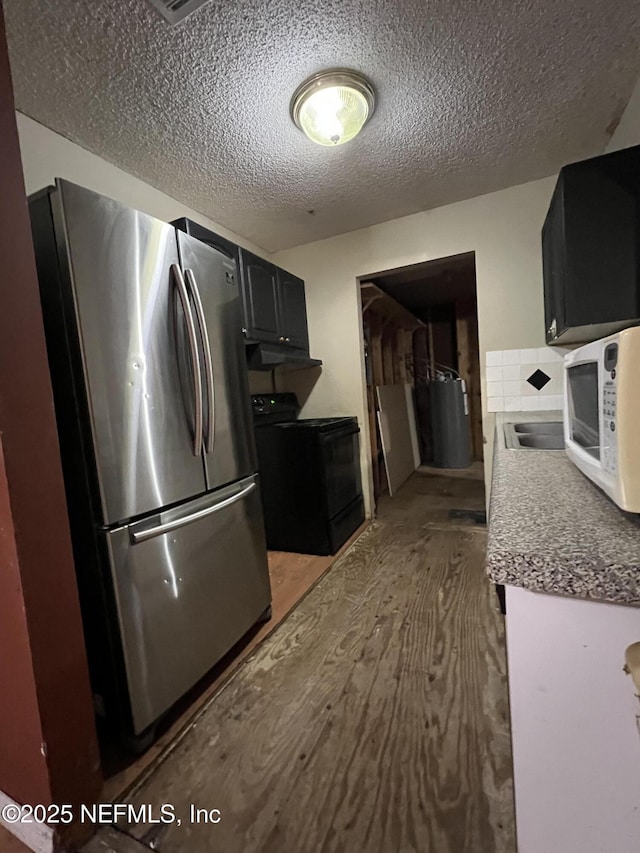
<point x="333" y="106"/>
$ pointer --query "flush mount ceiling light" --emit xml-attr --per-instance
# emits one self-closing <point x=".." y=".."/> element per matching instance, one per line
<point x="177" y="10"/>
<point x="331" y="107"/>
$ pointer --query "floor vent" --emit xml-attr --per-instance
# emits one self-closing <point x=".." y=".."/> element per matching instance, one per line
<point x="177" y="10"/>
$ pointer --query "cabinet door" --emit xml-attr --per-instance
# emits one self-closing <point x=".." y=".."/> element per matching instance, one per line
<point x="292" y="311"/>
<point x="602" y="282"/>
<point x="591" y="258"/>
<point x="576" y="752"/>
<point x="259" y="284"/>
<point x="220" y="244"/>
<point x="553" y="264"/>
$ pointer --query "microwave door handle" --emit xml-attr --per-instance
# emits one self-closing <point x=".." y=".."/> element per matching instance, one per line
<point x="195" y="360"/>
<point x="170" y="526"/>
<point x="208" y="361"/>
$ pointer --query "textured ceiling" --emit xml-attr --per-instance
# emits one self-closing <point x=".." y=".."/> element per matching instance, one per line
<point x="472" y="97"/>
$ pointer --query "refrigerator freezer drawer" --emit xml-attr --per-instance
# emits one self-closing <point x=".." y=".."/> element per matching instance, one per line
<point x="188" y="583"/>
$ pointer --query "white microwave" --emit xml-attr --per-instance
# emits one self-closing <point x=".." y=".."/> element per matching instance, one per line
<point x="602" y="414"/>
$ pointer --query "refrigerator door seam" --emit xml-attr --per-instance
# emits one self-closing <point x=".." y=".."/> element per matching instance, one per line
<point x="169" y="526"/>
<point x="208" y="361"/>
<point x="195" y="360"/>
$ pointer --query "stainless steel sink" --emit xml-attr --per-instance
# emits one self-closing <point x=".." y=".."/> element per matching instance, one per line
<point x="542" y="442"/>
<point x="546" y="428"/>
<point x="539" y="435"/>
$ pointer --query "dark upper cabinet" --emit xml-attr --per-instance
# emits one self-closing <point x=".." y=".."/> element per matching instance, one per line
<point x="275" y="310"/>
<point x="260" y="298"/>
<point x="292" y="310"/>
<point x="274" y="303"/>
<point x="209" y="237"/>
<point x="591" y="249"/>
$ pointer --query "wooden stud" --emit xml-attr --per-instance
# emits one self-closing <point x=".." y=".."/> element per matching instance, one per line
<point x="375" y="344"/>
<point x="430" y="344"/>
<point x="395" y="355"/>
<point x="469" y="369"/>
<point x="407" y="345"/>
<point x="387" y="358"/>
<point x="401" y="356"/>
<point x="475" y="391"/>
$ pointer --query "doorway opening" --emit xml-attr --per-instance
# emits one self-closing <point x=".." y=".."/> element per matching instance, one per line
<point x="420" y="331"/>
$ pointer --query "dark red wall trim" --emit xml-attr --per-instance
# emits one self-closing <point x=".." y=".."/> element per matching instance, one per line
<point x="45" y="699"/>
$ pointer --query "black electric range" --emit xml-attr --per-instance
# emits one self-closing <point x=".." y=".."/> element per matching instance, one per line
<point x="309" y="476"/>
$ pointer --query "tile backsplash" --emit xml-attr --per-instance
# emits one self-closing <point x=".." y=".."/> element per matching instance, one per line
<point x="521" y="380"/>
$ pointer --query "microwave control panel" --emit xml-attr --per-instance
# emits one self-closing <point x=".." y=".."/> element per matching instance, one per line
<point x="608" y="441"/>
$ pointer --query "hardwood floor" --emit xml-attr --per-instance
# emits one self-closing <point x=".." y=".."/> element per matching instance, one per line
<point x="375" y="718"/>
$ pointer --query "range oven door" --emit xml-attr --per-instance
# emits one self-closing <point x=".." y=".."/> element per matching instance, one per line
<point x="340" y="452"/>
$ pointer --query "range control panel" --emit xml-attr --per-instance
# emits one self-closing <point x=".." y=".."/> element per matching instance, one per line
<point x="280" y="406"/>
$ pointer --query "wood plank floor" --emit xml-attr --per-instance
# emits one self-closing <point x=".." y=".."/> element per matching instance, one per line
<point x="375" y="718"/>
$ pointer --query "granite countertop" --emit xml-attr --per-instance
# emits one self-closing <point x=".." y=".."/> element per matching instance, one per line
<point x="552" y="530"/>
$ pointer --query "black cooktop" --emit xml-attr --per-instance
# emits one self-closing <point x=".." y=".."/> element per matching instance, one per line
<point x="282" y="410"/>
<point x="320" y="424"/>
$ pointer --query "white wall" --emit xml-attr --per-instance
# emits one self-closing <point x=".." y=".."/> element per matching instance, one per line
<point x="502" y="228"/>
<point x="628" y="131"/>
<point x="47" y="155"/>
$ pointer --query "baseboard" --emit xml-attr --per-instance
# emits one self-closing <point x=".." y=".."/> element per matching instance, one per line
<point x="36" y="836"/>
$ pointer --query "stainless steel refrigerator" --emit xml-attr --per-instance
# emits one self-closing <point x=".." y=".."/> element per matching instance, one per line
<point x="145" y="347"/>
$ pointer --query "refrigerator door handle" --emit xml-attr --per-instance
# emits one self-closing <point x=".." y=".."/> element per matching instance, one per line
<point x="161" y="529"/>
<point x="195" y="360"/>
<point x="208" y="361"/>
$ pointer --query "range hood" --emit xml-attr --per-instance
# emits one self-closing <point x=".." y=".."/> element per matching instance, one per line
<point x="271" y="356"/>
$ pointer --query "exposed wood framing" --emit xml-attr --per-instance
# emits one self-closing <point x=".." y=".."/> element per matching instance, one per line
<point x="387" y="307"/>
<point x="375" y="348"/>
<point x="388" y="357"/>
<point x="407" y="355"/>
<point x="469" y="369"/>
<point x="401" y="356"/>
<point x="388" y="329"/>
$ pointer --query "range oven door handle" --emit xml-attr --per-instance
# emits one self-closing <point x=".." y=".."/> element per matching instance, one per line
<point x="169" y="526"/>
<point x="339" y="433"/>
<point x="208" y="361"/>
<point x="195" y="358"/>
